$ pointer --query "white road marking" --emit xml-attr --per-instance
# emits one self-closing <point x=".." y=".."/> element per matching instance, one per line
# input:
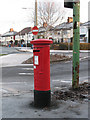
<point x="8" y="83"/>
<point x="27" y="68"/>
<point x="70" y="80"/>
<point x="61" y="80"/>
<point x="25" y="65"/>
<point x="67" y="61"/>
<point x="55" y="80"/>
<point x="56" y="87"/>
<point x="65" y="81"/>
<point x="26" y="73"/>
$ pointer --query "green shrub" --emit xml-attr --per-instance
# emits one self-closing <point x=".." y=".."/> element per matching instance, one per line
<point x="16" y="42"/>
<point x="63" y="46"/>
<point x="29" y="45"/>
<point x="66" y="46"/>
<point x="84" y="46"/>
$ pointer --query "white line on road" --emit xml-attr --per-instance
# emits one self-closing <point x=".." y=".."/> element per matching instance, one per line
<point x="7" y="83"/>
<point x="66" y="81"/>
<point x="67" y="61"/>
<point x="55" y="80"/>
<point x="26" y="73"/>
<point x="82" y="79"/>
<point x="27" y="68"/>
<point x="25" y="65"/>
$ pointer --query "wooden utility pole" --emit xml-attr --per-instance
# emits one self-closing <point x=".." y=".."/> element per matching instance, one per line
<point x="35" y="18"/>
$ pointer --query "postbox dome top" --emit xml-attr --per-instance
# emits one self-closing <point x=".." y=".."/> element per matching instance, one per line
<point x="41" y="42"/>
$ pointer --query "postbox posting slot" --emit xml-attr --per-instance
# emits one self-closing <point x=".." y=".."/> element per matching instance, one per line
<point x="36" y="50"/>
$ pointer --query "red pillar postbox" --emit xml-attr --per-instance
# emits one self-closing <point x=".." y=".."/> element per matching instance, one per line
<point x="41" y="64"/>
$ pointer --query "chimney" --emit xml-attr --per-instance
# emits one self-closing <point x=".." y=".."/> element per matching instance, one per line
<point x="11" y="29"/>
<point x="70" y="19"/>
<point x="44" y="24"/>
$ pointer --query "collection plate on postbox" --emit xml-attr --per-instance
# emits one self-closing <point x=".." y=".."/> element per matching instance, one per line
<point x="36" y="60"/>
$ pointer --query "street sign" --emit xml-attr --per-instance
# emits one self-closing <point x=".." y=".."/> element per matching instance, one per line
<point x="35" y="30"/>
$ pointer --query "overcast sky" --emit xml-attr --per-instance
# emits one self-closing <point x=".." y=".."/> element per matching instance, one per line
<point x="12" y="14"/>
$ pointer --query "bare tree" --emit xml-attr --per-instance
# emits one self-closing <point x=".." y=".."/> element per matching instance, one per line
<point x="50" y="13"/>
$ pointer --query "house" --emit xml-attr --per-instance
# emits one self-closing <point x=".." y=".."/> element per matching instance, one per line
<point x="64" y="32"/>
<point x="8" y="37"/>
<point x="17" y="38"/>
<point x="0" y="39"/>
<point x="85" y="32"/>
<point x="45" y="31"/>
<point x="41" y="33"/>
<point x="24" y="36"/>
<point x="51" y="33"/>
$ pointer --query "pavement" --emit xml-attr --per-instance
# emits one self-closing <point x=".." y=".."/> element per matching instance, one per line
<point x="14" y="59"/>
<point x="24" y="49"/>
<point x="19" y="105"/>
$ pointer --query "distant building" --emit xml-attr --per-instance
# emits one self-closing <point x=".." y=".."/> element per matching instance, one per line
<point x="42" y="31"/>
<point x="45" y="31"/>
<point x="8" y="37"/>
<point x="64" y="32"/>
<point x="24" y="36"/>
<point x="0" y="39"/>
<point x="85" y="32"/>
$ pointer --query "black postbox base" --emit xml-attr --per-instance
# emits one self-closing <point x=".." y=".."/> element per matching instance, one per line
<point x="42" y="98"/>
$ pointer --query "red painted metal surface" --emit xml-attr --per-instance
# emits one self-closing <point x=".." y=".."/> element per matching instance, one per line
<point x="41" y="58"/>
<point x="41" y="42"/>
<point x="35" y="30"/>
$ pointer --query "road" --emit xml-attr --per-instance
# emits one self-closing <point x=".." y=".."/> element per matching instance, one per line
<point x="20" y="78"/>
<point x="10" y="50"/>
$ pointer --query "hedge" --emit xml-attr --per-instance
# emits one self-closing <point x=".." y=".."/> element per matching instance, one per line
<point x="66" y="46"/>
